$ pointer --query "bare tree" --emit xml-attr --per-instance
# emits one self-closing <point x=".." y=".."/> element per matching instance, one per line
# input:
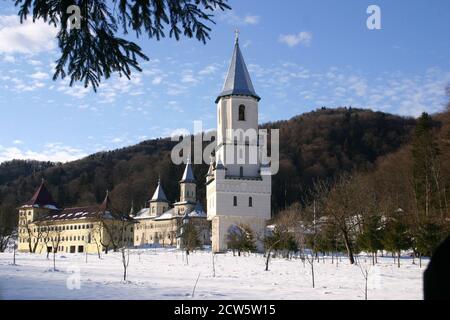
<point x="282" y="236"/>
<point x="195" y="286"/>
<point x="96" y="236"/>
<point x="125" y="261"/>
<point x="365" y="270"/>
<point x="34" y="234"/>
<point x="213" y="263"/>
<point x="55" y="238"/>
<point x="344" y="207"/>
<point x="164" y="232"/>
<point x="14" y="237"/>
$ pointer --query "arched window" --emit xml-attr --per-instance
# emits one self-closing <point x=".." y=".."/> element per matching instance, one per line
<point x="235" y="201"/>
<point x="250" y="202"/>
<point x="241" y="112"/>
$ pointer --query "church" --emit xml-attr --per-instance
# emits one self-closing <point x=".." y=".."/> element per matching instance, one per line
<point x="238" y="192"/>
<point x="238" y="186"/>
<point x="159" y="223"/>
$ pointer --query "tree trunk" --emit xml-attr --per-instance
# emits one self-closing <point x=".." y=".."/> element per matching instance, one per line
<point x="312" y="273"/>
<point x="420" y="260"/>
<point x="398" y="255"/>
<point x="54" y="260"/>
<point x="373" y="259"/>
<point x="214" y="266"/>
<point x="14" y="255"/>
<point x="349" y="248"/>
<point x="267" y="260"/>
<point x="365" y="291"/>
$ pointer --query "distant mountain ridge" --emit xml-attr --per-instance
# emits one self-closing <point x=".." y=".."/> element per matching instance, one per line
<point x="313" y="145"/>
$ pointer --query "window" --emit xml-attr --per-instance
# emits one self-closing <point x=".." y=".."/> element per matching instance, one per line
<point x="235" y="201"/>
<point x="241" y="172"/>
<point x="250" y="202"/>
<point x="241" y="112"/>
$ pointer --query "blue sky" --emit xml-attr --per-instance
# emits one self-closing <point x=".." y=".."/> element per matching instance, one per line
<point x="301" y="55"/>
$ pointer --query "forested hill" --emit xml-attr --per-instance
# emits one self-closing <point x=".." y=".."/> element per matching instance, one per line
<point x="314" y="145"/>
<point x="11" y="170"/>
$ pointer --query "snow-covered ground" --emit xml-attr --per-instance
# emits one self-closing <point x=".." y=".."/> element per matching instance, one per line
<point x="164" y="274"/>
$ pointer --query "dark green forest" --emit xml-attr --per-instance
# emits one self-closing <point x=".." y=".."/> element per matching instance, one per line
<point x="313" y="146"/>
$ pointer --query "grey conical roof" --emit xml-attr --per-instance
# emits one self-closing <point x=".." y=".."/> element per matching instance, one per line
<point x="238" y="80"/>
<point x="188" y="175"/>
<point x="159" y="195"/>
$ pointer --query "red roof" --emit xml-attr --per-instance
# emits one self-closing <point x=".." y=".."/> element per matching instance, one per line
<point x="41" y="197"/>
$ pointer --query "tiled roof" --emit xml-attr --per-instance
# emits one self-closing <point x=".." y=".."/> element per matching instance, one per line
<point x="42" y="198"/>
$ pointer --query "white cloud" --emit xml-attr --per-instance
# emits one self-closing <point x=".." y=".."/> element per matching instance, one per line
<point x="248" y="19"/>
<point x="27" y="37"/>
<point x="55" y="152"/>
<point x="234" y="20"/>
<point x="9" y="58"/>
<point x="40" y="75"/>
<point x="35" y="62"/>
<point x="211" y="69"/>
<point x="293" y="40"/>
<point x="157" y="80"/>
<point x="188" y="78"/>
<point x="117" y="140"/>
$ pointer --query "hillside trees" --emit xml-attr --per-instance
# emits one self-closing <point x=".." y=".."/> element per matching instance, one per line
<point x="7" y="226"/>
<point x="312" y="147"/>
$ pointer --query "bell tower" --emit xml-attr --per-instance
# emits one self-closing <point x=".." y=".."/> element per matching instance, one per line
<point x="238" y="187"/>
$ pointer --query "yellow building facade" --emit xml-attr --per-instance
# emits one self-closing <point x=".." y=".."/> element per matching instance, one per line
<point x="43" y="227"/>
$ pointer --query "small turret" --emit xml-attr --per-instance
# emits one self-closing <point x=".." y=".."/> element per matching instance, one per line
<point x="158" y="203"/>
<point x="188" y="186"/>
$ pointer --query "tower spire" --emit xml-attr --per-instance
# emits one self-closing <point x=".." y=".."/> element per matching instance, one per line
<point x="236" y="35"/>
<point x="238" y="80"/>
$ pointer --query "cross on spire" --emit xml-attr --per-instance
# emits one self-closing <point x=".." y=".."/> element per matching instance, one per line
<point x="236" y="34"/>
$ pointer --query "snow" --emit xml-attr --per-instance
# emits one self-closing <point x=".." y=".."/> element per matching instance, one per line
<point x="163" y="274"/>
<point x="51" y="207"/>
<point x="166" y="215"/>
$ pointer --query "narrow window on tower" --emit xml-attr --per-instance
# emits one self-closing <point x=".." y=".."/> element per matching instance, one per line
<point x="241" y="112"/>
<point x="250" y="202"/>
<point x="235" y="201"/>
<point x="241" y="172"/>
